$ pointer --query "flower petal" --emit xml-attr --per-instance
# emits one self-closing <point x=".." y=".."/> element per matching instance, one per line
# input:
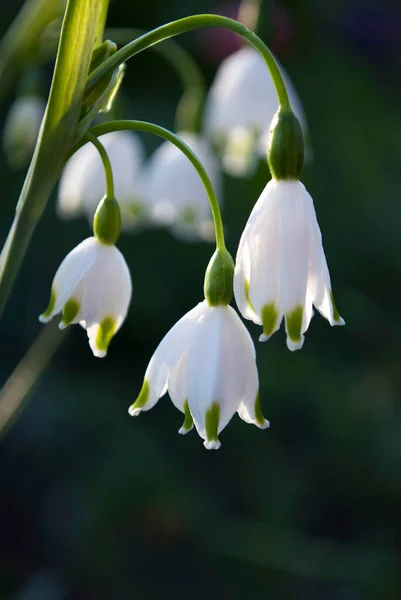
<point x="106" y="297"/>
<point x="165" y="357"/>
<point x="239" y="157"/>
<point x="177" y="389"/>
<point x="73" y="182"/>
<point x="177" y="383"/>
<point x="69" y="274"/>
<point x="258" y="263"/>
<point x="72" y="309"/>
<point x="174" y="189"/>
<point x="249" y="409"/>
<point x="83" y="183"/>
<point x="319" y="285"/>
<point x="243" y="96"/>
<point x="294" y="258"/>
<point x="216" y="372"/>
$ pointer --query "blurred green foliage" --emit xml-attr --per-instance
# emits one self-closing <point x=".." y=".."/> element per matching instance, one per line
<point x="96" y="505"/>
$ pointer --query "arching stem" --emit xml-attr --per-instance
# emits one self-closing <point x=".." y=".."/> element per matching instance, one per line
<point x="188" y="114"/>
<point x="106" y="163"/>
<point x="189" y="24"/>
<point x="174" y="139"/>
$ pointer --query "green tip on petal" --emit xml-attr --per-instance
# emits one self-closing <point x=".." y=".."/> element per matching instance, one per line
<point x="104" y="334"/>
<point x="136" y="408"/>
<point x="261" y="422"/>
<point x="212" y="419"/>
<point x="338" y="320"/>
<point x="293" y="320"/>
<point x="269" y="320"/>
<point x="188" y="421"/>
<point x="70" y="311"/>
<point x="47" y="315"/>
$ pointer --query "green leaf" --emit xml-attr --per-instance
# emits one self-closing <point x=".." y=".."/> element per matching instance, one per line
<point x="81" y="32"/>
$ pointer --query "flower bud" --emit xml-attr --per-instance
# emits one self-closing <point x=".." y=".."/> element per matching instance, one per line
<point x="285" y="146"/>
<point x="107" y="221"/>
<point x="218" y="286"/>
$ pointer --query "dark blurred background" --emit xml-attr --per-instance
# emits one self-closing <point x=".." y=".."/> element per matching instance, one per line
<point x="98" y="506"/>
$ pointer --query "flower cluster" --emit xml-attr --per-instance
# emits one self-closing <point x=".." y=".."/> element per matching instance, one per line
<point x="207" y="361"/>
<point x="163" y="191"/>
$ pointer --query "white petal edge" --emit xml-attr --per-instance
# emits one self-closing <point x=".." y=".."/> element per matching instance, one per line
<point x="167" y="355"/>
<point x="70" y="272"/>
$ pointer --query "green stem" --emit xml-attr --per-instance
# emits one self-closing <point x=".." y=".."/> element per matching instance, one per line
<point x="108" y="171"/>
<point x="188" y="115"/>
<point x="174" y="139"/>
<point x="188" y="24"/>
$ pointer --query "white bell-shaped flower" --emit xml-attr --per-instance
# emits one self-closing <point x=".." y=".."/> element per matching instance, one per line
<point x="22" y="128"/>
<point x="240" y="107"/>
<point x="92" y="287"/>
<point x="83" y="182"/>
<point x="281" y="269"/>
<point x="207" y="364"/>
<point x="175" y="191"/>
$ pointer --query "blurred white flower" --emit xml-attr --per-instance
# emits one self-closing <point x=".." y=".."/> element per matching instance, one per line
<point x="207" y="364"/>
<point x="22" y="128"/>
<point x="176" y="194"/>
<point x="83" y="181"/>
<point x="240" y="107"/>
<point x="281" y="268"/>
<point x="92" y="287"/>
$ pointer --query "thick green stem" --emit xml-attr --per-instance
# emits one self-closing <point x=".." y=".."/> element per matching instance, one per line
<point x="108" y="171"/>
<point x="81" y="32"/>
<point x="188" y="24"/>
<point x="189" y="111"/>
<point x="174" y="139"/>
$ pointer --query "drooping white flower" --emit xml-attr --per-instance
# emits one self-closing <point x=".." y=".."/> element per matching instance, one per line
<point x="175" y="192"/>
<point x="281" y="269"/>
<point x="92" y="287"/>
<point x="22" y="128"/>
<point x="83" y="182"/>
<point x="207" y="364"/>
<point x="240" y="107"/>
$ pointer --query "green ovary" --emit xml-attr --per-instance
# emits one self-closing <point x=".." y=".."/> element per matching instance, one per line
<point x="269" y="318"/>
<point x="70" y="311"/>
<point x="105" y="332"/>
<point x="212" y="422"/>
<point x="294" y="323"/>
